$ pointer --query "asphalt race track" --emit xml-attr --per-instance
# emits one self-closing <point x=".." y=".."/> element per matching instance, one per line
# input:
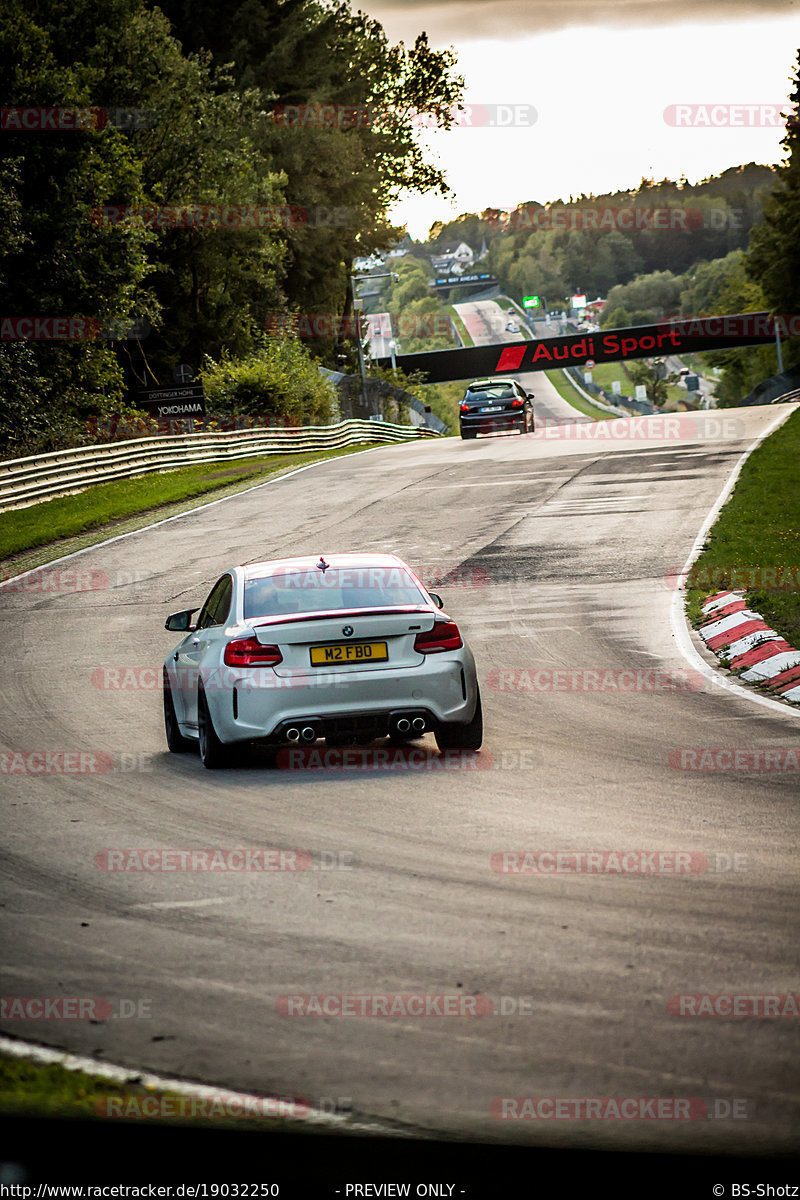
<point x="560" y="549"/>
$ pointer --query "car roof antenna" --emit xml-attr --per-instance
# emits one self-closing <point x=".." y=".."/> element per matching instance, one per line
<point x="322" y="565"/>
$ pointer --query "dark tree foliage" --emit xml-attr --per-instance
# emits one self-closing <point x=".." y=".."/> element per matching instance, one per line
<point x="343" y="171"/>
<point x="718" y="215"/>
<point x="768" y="276"/>
<point x="57" y="261"/>
<point x="208" y="78"/>
<point x="773" y="259"/>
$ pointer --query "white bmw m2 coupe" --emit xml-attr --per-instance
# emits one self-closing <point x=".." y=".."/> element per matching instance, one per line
<point x="347" y="647"/>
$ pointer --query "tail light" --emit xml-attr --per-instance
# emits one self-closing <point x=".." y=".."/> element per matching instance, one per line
<point x="443" y="636"/>
<point x="464" y="408"/>
<point x="249" y="652"/>
<point x="517" y="403"/>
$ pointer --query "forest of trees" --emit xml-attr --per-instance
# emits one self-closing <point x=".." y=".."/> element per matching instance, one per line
<point x="227" y="162"/>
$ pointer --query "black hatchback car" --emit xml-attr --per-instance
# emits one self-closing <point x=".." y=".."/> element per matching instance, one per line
<point x="490" y="405"/>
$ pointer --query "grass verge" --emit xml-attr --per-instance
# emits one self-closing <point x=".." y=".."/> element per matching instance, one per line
<point x="70" y="523"/>
<point x="459" y="324"/>
<point x="567" y="392"/>
<point x="33" y="1089"/>
<point x="755" y="543"/>
<point x="604" y="374"/>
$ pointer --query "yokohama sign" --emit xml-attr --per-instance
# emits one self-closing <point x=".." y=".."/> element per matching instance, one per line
<point x="610" y="345"/>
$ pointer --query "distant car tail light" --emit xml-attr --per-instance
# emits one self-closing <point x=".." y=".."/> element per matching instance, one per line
<point x="249" y="652"/>
<point x="443" y="636"/>
<point x="517" y="403"/>
<point x="464" y="408"/>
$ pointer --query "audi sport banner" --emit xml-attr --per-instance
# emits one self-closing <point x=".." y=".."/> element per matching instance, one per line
<point x="610" y="345"/>
<point x="171" y="403"/>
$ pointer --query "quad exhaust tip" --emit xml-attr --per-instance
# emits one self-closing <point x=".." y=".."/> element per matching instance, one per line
<point x="293" y="735"/>
<point x="309" y="734"/>
<point x="410" y="724"/>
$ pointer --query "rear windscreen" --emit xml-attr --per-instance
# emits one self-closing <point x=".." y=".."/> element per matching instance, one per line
<point x="491" y="393"/>
<point x="317" y="591"/>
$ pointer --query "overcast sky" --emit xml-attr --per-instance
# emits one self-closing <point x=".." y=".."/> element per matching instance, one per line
<point x="452" y="20"/>
<point x="588" y="105"/>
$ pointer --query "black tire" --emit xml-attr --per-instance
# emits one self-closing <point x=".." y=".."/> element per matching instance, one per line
<point x="176" y="742"/>
<point x="469" y="433"/>
<point x="462" y="737"/>
<point x="213" y="753"/>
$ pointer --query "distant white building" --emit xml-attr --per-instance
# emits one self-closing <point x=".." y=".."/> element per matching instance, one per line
<point x="456" y="258"/>
<point x="367" y="264"/>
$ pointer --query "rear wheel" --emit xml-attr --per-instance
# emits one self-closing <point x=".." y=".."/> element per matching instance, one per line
<point x="176" y="742"/>
<point x="213" y="753"/>
<point x="469" y="433"/>
<point x="462" y="737"/>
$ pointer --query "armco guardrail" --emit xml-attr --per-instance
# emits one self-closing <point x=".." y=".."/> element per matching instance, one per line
<point x="787" y="397"/>
<point x="43" y="476"/>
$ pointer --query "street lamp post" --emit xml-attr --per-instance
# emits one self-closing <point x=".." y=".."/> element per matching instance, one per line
<point x="361" y="367"/>
<point x="356" y="302"/>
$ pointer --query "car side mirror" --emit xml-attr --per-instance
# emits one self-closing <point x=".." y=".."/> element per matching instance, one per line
<point x="437" y="600"/>
<point x="529" y="395"/>
<point x="180" y="622"/>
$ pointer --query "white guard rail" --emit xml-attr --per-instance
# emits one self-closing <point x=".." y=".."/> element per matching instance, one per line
<point x="59" y="472"/>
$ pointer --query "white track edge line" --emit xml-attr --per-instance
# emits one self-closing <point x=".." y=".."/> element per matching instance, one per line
<point x="678" y="618"/>
<point x="165" y="1083"/>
